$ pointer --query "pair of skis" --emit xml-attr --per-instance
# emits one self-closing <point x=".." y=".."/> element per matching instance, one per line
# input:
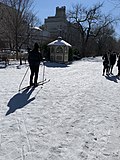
<point x="38" y="84"/>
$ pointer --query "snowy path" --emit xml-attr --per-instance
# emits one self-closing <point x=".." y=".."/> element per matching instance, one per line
<point x="76" y="116"/>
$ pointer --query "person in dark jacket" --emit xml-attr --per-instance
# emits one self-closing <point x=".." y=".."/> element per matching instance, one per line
<point x="112" y="61"/>
<point x="118" y="65"/>
<point x="106" y="65"/>
<point x="34" y="59"/>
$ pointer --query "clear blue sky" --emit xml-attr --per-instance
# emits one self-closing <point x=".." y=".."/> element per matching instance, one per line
<point x="45" y="8"/>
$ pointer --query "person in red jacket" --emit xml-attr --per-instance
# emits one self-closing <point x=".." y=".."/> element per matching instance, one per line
<point x="34" y="59"/>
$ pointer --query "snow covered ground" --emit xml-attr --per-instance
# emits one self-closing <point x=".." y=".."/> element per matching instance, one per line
<point x="76" y="116"/>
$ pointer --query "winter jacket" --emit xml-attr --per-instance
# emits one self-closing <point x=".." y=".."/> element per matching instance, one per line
<point x="105" y="60"/>
<point x="112" y="58"/>
<point x="34" y="57"/>
<point x="118" y="63"/>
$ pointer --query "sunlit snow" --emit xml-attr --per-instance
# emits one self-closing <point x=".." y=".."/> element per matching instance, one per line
<point x="75" y="116"/>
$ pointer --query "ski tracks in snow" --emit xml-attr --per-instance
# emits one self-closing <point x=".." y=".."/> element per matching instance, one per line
<point x="75" y="116"/>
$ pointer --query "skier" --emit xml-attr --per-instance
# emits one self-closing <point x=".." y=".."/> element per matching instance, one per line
<point x="106" y="64"/>
<point x="118" y="65"/>
<point x="112" y="61"/>
<point x="34" y="59"/>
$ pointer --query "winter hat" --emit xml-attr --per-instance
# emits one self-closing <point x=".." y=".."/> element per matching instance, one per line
<point x="36" y="46"/>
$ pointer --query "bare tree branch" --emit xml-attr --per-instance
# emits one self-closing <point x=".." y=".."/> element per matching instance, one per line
<point x="89" y="21"/>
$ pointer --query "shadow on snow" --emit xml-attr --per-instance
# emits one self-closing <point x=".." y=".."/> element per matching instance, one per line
<point x="19" y="101"/>
<point x="54" y="64"/>
<point x="113" y="78"/>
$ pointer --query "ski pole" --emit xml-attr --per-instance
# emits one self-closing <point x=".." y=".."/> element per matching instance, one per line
<point x="40" y="72"/>
<point x="23" y="78"/>
<point x="43" y="71"/>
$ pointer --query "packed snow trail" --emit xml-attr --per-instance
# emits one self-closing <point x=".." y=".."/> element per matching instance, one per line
<point x="76" y="116"/>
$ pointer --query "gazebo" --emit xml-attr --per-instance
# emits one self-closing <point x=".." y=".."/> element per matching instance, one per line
<point x="59" y="50"/>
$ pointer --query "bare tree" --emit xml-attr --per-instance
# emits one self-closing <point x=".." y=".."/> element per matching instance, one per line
<point x="89" y="22"/>
<point x="17" y="20"/>
<point x="115" y="2"/>
<point x="105" y="40"/>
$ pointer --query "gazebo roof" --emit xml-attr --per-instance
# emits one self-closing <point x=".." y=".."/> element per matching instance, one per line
<point x="59" y="42"/>
<point x="36" y="28"/>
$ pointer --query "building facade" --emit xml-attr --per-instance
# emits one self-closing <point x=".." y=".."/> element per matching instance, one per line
<point x="54" y="26"/>
<point x="38" y="35"/>
<point x="58" y="25"/>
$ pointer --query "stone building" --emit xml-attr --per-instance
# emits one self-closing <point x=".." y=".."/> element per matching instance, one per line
<point x="58" y="25"/>
<point x="54" y="26"/>
<point x="38" y="35"/>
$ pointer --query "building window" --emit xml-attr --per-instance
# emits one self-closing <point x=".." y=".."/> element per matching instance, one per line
<point x="59" y="49"/>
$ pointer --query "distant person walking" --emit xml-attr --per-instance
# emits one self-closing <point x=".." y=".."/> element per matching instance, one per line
<point x="34" y="59"/>
<point x="112" y="61"/>
<point x="118" y="65"/>
<point x="106" y="64"/>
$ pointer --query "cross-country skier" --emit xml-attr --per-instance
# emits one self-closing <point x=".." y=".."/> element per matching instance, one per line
<point x="34" y="59"/>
